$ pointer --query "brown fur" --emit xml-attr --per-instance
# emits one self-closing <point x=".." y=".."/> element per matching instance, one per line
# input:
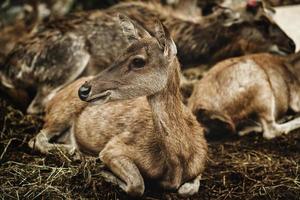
<point x="257" y="89"/>
<point x="155" y="137"/>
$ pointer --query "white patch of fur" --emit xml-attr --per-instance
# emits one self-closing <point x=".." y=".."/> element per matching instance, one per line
<point x="19" y="75"/>
<point x="251" y="129"/>
<point x="6" y="82"/>
<point x="51" y="95"/>
<point x="173" y="48"/>
<point x="73" y="142"/>
<point x="80" y="65"/>
<point x="274" y="48"/>
<point x="33" y="61"/>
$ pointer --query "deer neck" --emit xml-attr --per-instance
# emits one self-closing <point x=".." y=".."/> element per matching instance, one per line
<point x="167" y="108"/>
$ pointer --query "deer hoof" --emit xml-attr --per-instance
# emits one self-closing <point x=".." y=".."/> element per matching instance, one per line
<point x="135" y="190"/>
<point x="188" y="189"/>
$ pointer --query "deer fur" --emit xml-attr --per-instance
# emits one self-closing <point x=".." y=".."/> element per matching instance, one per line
<point x="88" y="42"/>
<point x="249" y="93"/>
<point x="153" y="137"/>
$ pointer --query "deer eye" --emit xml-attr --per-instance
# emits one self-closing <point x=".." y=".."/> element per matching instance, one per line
<point x="137" y="63"/>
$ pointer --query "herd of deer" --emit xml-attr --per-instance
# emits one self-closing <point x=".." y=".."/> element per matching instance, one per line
<point x="82" y="66"/>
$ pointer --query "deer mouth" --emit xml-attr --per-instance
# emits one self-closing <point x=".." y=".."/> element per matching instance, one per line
<point x="103" y="97"/>
<point x="280" y="50"/>
<point x="286" y="50"/>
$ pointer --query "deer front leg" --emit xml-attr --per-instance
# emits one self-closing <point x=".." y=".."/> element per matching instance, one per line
<point x="273" y="129"/>
<point x="124" y="168"/>
<point x="111" y="178"/>
<point x="173" y="178"/>
<point x="250" y="129"/>
<point x="41" y="143"/>
<point x="290" y="125"/>
<point x="190" y="188"/>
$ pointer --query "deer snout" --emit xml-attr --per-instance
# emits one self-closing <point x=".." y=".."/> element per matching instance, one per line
<point x="292" y="46"/>
<point x="84" y="91"/>
<point x="288" y="48"/>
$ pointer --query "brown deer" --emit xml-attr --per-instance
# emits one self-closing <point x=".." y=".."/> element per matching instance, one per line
<point x="249" y="93"/>
<point x="155" y="137"/>
<point x="87" y="42"/>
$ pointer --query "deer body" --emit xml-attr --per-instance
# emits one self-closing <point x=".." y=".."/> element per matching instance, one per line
<point x="153" y="137"/>
<point x="250" y="93"/>
<point x="87" y="42"/>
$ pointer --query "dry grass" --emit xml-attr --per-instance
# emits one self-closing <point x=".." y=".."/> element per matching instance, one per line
<point x="238" y="168"/>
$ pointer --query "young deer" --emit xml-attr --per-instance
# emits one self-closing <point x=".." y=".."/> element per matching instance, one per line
<point x="155" y="137"/>
<point x="88" y="42"/>
<point x="249" y="93"/>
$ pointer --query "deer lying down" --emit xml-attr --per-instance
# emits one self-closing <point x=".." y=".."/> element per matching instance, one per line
<point x="155" y="137"/>
<point x="250" y="93"/>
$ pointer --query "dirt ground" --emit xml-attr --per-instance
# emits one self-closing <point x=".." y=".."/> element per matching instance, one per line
<point x="238" y="168"/>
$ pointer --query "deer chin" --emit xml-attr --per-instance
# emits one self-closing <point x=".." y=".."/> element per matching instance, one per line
<point x="100" y="98"/>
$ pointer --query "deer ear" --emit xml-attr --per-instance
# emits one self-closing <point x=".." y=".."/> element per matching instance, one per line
<point x="164" y="39"/>
<point x="132" y="30"/>
<point x="128" y="27"/>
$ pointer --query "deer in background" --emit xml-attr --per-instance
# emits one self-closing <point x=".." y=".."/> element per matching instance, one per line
<point x="87" y="42"/>
<point x="153" y="137"/>
<point x="246" y="29"/>
<point x="249" y="94"/>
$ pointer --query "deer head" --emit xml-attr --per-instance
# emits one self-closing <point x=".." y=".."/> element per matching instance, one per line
<point x="255" y="25"/>
<point x="143" y="68"/>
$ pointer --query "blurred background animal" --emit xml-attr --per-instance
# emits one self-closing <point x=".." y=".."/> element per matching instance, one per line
<point x="19" y="19"/>
<point x="249" y="94"/>
<point x="87" y="42"/>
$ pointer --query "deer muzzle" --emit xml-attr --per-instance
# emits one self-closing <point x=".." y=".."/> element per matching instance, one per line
<point x="89" y="94"/>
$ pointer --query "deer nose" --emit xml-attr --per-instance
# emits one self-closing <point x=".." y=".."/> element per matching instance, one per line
<point x="292" y="45"/>
<point x="84" y="92"/>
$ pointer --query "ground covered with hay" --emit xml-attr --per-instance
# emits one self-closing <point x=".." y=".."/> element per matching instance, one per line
<point x="238" y="168"/>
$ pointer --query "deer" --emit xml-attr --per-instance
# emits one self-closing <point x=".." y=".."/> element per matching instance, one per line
<point x="246" y="29"/>
<point x="132" y="117"/>
<point x="85" y="43"/>
<point x="249" y="94"/>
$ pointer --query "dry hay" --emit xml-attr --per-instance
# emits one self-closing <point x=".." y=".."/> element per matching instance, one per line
<point x="239" y="168"/>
